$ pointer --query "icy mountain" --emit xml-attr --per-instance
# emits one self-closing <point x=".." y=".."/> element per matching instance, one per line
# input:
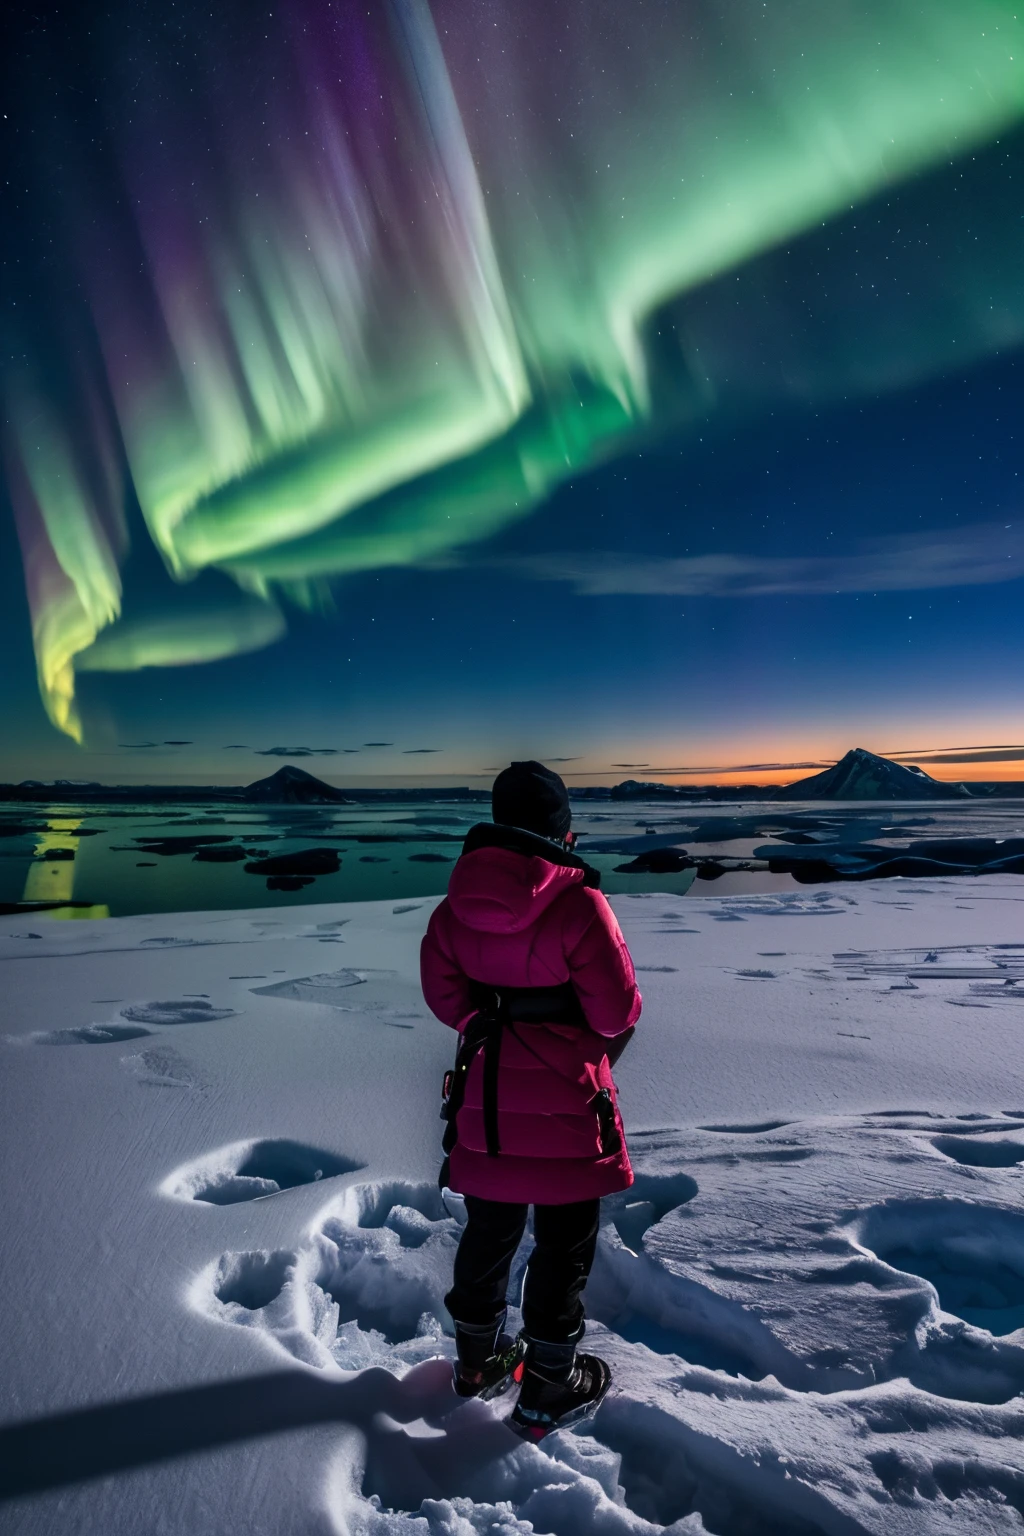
<point x="294" y="786"/>
<point x="863" y="775"/>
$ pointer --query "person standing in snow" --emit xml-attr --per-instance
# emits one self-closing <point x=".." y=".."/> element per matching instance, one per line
<point x="525" y="959"/>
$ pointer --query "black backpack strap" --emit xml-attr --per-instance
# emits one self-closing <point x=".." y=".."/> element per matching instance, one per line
<point x="473" y="1037"/>
<point x="492" y="1058"/>
<point x="483" y="1032"/>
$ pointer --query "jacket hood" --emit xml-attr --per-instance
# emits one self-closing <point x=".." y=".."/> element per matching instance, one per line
<point x="506" y="878"/>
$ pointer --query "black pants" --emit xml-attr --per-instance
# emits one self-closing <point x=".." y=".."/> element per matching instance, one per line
<point x="566" y="1239"/>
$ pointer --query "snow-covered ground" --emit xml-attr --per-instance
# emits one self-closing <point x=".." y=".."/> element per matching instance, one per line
<point x="224" y="1252"/>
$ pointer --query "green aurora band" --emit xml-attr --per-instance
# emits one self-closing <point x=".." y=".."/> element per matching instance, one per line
<point x="431" y="293"/>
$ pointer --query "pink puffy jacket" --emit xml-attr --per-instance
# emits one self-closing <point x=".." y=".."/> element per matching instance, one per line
<point x="513" y="918"/>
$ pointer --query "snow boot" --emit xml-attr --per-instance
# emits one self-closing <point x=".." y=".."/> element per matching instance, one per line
<point x="490" y="1360"/>
<point x="560" y="1387"/>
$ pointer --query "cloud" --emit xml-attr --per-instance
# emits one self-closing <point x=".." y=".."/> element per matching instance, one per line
<point x="987" y="746"/>
<point x="922" y="756"/>
<point x="378" y="743"/>
<point x="959" y="557"/>
<point x="982" y="755"/>
<point x="179" y="743"/>
<point x="706" y="768"/>
<point x="137" y="746"/>
<point x="417" y="751"/>
<point x="296" y="751"/>
<point x="236" y="746"/>
<point x="561" y="759"/>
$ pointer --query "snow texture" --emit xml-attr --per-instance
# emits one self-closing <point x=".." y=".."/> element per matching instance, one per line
<point x="325" y="988"/>
<point x="223" y="1300"/>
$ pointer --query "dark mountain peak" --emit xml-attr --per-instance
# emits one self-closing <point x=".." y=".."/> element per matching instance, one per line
<point x="863" y="775"/>
<point x="294" y="786"/>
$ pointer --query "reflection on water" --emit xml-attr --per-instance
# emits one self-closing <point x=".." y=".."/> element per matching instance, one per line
<point x="103" y="860"/>
<point x="50" y="877"/>
<point x="95" y="861"/>
<point x="51" y="874"/>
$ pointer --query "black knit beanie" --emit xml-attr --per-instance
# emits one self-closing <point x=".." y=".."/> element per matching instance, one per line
<point x="529" y="795"/>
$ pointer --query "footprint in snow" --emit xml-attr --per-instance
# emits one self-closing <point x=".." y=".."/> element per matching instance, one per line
<point x="325" y="988"/>
<point x="251" y="1170"/>
<point x="972" y="1254"/>
<point x="161" y="1066"/>
<point x="190" y="1010"/>
<point x="757" y="1128"/>
<point x="429" y="1462"/>
<point x="366" y="1289"/>
<point x="990" y="1152"/>
<point x="87" y="1034"/>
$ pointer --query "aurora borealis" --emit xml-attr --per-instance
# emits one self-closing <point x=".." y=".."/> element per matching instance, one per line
<point x="300" y="300"/>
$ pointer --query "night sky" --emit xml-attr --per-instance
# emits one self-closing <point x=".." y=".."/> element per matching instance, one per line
<point x="637" y="388"/>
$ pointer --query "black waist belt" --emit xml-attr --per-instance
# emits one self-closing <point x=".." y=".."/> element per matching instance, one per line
<point x="530" y="1005"/>
<point x="496" y="1008"/>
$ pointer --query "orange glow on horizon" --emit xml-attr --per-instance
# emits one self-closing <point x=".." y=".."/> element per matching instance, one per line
<point x="945" y="773"/>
